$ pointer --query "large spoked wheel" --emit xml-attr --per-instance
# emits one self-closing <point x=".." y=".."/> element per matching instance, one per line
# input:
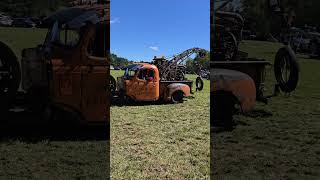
<point x="286" y="69"/>
<point x="230" y="45"/>
<point x="10" y="76"/>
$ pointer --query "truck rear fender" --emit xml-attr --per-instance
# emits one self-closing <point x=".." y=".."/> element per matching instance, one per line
<point x="174" y="87"/>
<point x="239" y="84"/>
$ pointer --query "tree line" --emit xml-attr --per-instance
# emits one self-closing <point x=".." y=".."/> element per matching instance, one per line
<point x="257" y="13"/>
<point x="121" y="62"/>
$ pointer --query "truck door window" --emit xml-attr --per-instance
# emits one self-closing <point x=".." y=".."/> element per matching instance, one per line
<point x="98" y="47"/>
<point x="146" y="74"/>
<point x="68" y="37"/>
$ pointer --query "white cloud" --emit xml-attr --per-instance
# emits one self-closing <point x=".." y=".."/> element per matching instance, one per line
<point x="155" y="48"/>
<point x="115" y="20"/>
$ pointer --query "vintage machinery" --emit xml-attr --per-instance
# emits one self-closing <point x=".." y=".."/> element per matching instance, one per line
<point x="161" y="80"/>
<point x="65" y="78"/>
<point x="173" y="69"/>
<point x="240" y="80"/>
<point x="228" y="33"/>
<point x="304" y="42"/>
<point x="142" y="82"/>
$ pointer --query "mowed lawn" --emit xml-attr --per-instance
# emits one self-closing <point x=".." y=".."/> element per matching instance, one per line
<point x="160" y="141"/>
<point x="276" y="141"/>
<point x="34" y="155"/>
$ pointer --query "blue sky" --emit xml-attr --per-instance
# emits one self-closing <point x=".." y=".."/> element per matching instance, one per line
<point x="142" y="29"/>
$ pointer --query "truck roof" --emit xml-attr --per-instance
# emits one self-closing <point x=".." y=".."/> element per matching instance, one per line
<point x="137" y="66"/>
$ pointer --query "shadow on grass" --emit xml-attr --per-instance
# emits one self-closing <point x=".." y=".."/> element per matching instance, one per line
<point x="258" y="113"/>
<point x="29" y="128"/>
<point x="120" y="103"/>
<point x="253" y="114"/>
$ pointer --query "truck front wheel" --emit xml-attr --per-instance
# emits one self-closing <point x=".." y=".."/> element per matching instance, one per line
<point x="177" y="97"/>
<point x="10" y="76"/>
<point x="222" y="109"/>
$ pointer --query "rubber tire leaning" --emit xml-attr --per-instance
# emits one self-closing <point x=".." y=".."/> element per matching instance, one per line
<point x="291" y="84"/>
<point x="9" y="59"/>
<point x="199" y="84"/>
<point x="222" y="107"/>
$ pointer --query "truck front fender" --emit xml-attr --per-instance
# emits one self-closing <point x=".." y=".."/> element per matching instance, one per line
<point x="174" y="87"/>
<point x="239" y="84"/>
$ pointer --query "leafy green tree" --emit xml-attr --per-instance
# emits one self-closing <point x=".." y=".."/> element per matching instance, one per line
<point x="258" y="13"/>
<point x="118" y="61"/>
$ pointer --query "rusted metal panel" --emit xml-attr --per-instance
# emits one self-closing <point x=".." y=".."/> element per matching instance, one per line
<point x="240" y="84"/>
<point x="141" y="89"/>
<point x="253" y="67"/>
<point x="79" y="80"/>
<point x="174" y="87"/>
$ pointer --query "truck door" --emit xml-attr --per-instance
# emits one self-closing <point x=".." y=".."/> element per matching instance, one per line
<point x="145" y="86"/>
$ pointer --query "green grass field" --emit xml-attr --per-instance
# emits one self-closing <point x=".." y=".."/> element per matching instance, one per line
<point x="161" y="141"/>
<point x="283" y="145"/>
<point x="172" y="141"/>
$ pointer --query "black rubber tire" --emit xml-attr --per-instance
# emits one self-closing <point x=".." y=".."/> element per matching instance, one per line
<point x="177" y="97"/>
<point x="10" y="63"/>
<point x="222" y="108"/>
<point x="112" y="85"/>
<point x="286" y="55"/>
<point x="199" y="84"/>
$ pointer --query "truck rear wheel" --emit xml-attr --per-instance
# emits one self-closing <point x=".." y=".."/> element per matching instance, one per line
<point x="222" y="109"/>
<point x="177" y="97"/>
<point x="10" y="76"/>
<point x="112" y="85"/>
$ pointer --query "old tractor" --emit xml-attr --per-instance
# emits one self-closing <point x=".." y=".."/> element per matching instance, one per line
<point x="65" y="78"/>
<point x="161" y="80"/>
<point x="238" y="79"/>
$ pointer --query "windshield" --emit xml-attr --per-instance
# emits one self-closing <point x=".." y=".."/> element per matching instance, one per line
<point x="219" y="4"/>
<point x="132" y="69"/>
<point x="53" y="34"/>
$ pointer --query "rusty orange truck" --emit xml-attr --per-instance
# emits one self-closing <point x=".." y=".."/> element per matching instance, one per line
<point x="66" y="76"/>
<point x="142" y="82"/>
